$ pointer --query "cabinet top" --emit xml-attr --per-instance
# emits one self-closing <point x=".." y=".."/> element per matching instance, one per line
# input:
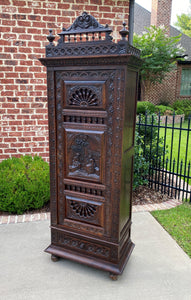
<point x="86" y="37"/>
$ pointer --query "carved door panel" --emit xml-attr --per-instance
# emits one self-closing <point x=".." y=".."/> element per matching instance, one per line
<point x="83" y="116"/>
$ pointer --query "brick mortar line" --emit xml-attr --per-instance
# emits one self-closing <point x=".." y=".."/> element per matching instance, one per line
<point x="13" y="219"/>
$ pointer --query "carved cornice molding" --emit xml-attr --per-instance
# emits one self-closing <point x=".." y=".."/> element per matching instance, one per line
<point x="125" y="59"/>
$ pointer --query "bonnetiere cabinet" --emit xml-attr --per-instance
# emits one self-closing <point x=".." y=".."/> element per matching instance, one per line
<point x="92" y="84"/>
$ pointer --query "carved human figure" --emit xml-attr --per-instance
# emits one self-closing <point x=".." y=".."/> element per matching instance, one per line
<point x="76" y="165"/>
<point x="90" y="166"/>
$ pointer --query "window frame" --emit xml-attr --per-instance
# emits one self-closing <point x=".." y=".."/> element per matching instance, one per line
<point x="183" y="92"/>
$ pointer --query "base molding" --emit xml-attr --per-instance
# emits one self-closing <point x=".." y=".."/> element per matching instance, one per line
<point x="94" y="262"/>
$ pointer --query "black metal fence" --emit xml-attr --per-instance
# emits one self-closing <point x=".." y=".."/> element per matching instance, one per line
<point x="167" y="148"/>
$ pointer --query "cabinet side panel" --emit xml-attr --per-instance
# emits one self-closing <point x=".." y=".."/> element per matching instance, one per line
<point x="128" y="148"/>
<point x="52" y="144"/>
<point x="117" y="119"/>
<point x="130" y="109"/>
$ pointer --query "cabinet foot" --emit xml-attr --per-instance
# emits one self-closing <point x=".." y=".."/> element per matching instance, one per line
<point x="113" y="276"/>
<point x="54" y="258"/>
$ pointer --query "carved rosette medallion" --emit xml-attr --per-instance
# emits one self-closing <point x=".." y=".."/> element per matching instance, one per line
<point x="84" y="210"/>
<point x="83" y="96"/>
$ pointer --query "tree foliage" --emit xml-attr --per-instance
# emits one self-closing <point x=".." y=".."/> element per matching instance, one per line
<point x="184" y="23"/>
<point x="158" y="52"/>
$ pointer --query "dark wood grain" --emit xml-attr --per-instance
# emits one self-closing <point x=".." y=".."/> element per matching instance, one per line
<point x="92" y="106"/>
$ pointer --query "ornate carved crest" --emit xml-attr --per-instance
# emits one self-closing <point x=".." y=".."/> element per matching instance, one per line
<point x="85" y="21"/>
<point x="86" y="36"/>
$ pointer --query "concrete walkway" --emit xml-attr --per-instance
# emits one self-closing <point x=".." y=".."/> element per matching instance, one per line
<point x="157" y="269"/>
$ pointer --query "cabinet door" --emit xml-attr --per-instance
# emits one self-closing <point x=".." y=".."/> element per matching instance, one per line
<point x="88" y="133"/>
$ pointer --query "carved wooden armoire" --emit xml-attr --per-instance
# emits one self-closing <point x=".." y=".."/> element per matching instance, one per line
<point x="92" y="85"/>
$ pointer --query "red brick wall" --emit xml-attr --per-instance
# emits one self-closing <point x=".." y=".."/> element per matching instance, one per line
<point x="161" y="13"/>
<point x="23" y="29"/>
<point x="166" y="91"/>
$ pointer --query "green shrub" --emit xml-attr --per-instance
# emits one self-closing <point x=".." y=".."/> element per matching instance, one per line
<point x="145" y="106"/>
<point x="164" y="103"/>
<point x="161" y="109"/>
<point x="164" y="110"/>
<point x="24" y="184"/>
<point x="183" y="105"/>
<point x="143" y="150"/>
<point x="141" y="166"/>
<point x="148" y="134"/>
<point x="179" y="112"/>
<point x="187" y="113"/>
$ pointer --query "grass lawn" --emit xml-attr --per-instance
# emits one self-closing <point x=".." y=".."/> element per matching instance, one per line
<point x="175" y="146"/>
<point x="184" y="134"/>
<point x="177" y="221"/>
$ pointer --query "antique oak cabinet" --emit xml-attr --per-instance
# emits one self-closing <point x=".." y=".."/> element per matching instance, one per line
<point x="92" y="84"/>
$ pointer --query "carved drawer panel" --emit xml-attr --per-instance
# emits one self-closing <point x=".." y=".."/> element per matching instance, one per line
<point x="83" y="246"/>
<point x="84" y="210"/>
<point x="84" y="152"/>
<point x="84" y="94"/>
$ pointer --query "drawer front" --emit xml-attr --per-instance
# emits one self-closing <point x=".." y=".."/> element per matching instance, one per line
<point x="82" y="212"/>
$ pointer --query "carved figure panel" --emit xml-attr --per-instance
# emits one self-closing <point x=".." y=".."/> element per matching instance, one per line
<point x="84" y="94"/>
<point x="84" y="152"/>
<point x="84" y="210"/>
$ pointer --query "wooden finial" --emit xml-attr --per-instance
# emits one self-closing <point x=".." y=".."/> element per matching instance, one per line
<point x="50" y="37"/>
<point x="124" y="32"/>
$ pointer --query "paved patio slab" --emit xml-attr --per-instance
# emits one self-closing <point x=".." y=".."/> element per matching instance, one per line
<point x="157" y="269"/>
